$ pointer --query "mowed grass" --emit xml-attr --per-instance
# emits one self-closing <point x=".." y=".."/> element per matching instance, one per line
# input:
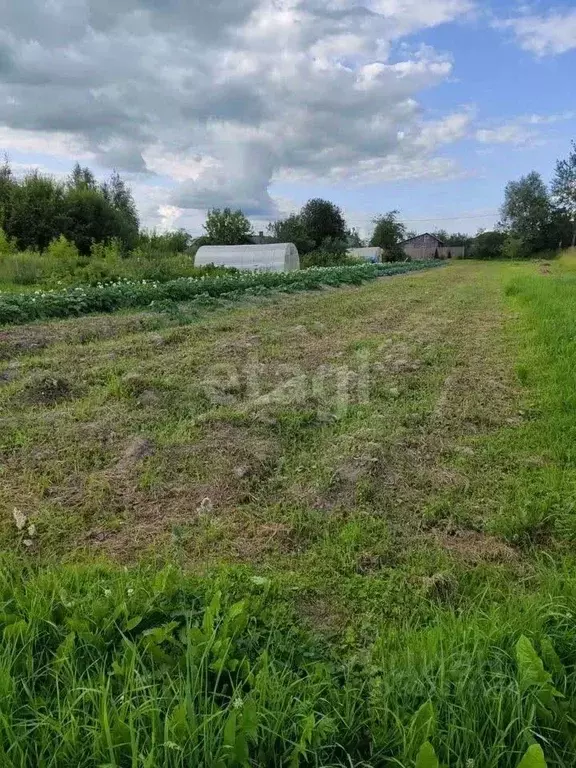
<point x="322" y="529"/>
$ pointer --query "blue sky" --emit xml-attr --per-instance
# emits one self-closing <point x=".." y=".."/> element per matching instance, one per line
<point x="427" y="107"/>
<point x="501" y="83"/>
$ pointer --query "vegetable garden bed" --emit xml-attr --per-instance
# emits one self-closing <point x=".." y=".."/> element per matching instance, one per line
<point x="125" y="294"/>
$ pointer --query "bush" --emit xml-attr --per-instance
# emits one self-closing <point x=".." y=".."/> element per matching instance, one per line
<point x="331" y="253"/>
<point x="325" y="258"/>
<point x="515" y="248"/>
<point x="7" y="246"/>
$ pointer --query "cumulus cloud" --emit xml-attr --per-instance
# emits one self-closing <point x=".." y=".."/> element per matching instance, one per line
<point x="226" y="97"/>
<point x="544" y="35"/>
<point x="521" y="131"/>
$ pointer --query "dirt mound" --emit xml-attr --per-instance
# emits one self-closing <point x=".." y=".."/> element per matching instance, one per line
<point x="474" y="547"/>
<point x="46" y="389"/>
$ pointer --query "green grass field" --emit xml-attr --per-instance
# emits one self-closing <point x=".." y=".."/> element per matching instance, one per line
<point x="333" y="528"/>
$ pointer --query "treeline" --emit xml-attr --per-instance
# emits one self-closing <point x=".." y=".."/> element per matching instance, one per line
<point x="37" y="209"/>
<point x="534" y="219"/>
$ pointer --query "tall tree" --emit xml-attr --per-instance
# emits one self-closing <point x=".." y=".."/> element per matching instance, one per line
<point x="119" y="195"/>
<point x="323" y="221"/>
<point x="527" y="213"/>
<point x="7" y="187"/>
<point x="81" y="178"/>
<point x="227" y="227"/>
<point x="564" y="187"/>
<point x="388" y="233"/>
<point x="292" y="230"/>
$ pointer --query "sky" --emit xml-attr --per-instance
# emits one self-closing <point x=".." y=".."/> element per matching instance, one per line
<point x="425" y="106"/>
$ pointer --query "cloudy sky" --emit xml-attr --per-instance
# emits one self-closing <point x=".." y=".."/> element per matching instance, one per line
<point x="428" y="106"/>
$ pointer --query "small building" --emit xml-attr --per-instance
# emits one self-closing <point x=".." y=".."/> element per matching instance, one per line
<point x="370" y="254"/>
<point x="273" y="257"/>
<point x="426" y="247"/>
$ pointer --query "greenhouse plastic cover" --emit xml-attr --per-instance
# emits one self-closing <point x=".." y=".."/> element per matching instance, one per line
<point x="274" y="257"/>
<point x="372" y="254"/>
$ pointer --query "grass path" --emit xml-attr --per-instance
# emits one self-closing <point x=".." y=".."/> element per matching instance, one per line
<point x="388" y="466"/>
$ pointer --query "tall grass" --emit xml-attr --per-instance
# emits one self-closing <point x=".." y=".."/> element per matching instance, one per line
<point x="62" y="265"/>
<point x="135" y="668"/>
<point x="545" y="491"/>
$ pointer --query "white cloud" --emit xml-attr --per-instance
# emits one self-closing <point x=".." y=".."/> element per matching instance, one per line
<point x="544" y="35"/>
<point x="550" y="119"/>
<point x="525" y="130"/>
<point x="509" y="133"/>
<point x="224" y="97"/>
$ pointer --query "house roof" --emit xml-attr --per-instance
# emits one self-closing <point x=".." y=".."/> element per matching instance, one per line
<point x="440" y="242"/>
<point x="264" y="240"/>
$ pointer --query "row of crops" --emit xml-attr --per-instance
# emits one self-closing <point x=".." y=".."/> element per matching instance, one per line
<point x="126" y="294"/>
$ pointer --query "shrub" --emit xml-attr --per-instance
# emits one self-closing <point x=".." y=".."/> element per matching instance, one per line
<point x="514" y="248"/>
<point x="7" y="245"/>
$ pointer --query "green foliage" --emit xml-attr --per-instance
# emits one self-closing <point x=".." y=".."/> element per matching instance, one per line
<point x="38" y="209"/>
<point x="15" y="308"/>
<point x="453" y="238"/>
<point x="35" y="212"/>
<point x="388" y="233"/>
<point x="353" y="239"/>
<point x="515" y="247"/>
<point x="564" y="188"/>
<point x="331" y="253"/>
<point x="323" y="222"/>
<point x="534" y="758"/>
<point x="527" y="215"/>
<point x="488" y="245"/>
<point x="227" y="227"/>
<point x="106" y="666"/>
<point x="318" y="231"/>
<point x="427" y="757"/>
<point x="7" y="246"/>
<point x="89" y="218"/>
<point x="152" y="242"/>
<point x="533" y="679"/>
<point x="292" y="230"/>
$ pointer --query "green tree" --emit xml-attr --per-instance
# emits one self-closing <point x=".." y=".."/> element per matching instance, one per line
<point x="291" y="230"/>
<point x="388" y="233"/>
<point x="36" y="215"/>
<point x="90" y="218"/>
<point x="453" y="238"/>
<point x="227" y="227"/>
<point x="353" y="239"/>
<point x="527" y="214"/>
<point x="488" y="245"/>
<point x="119" y="195"/>
<point x="564" y="188"/>
<point x="81" y="178"/>
<point x="175" y="241"/>
<point x="7" y="187"/>
<point x="323" y="221"/>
